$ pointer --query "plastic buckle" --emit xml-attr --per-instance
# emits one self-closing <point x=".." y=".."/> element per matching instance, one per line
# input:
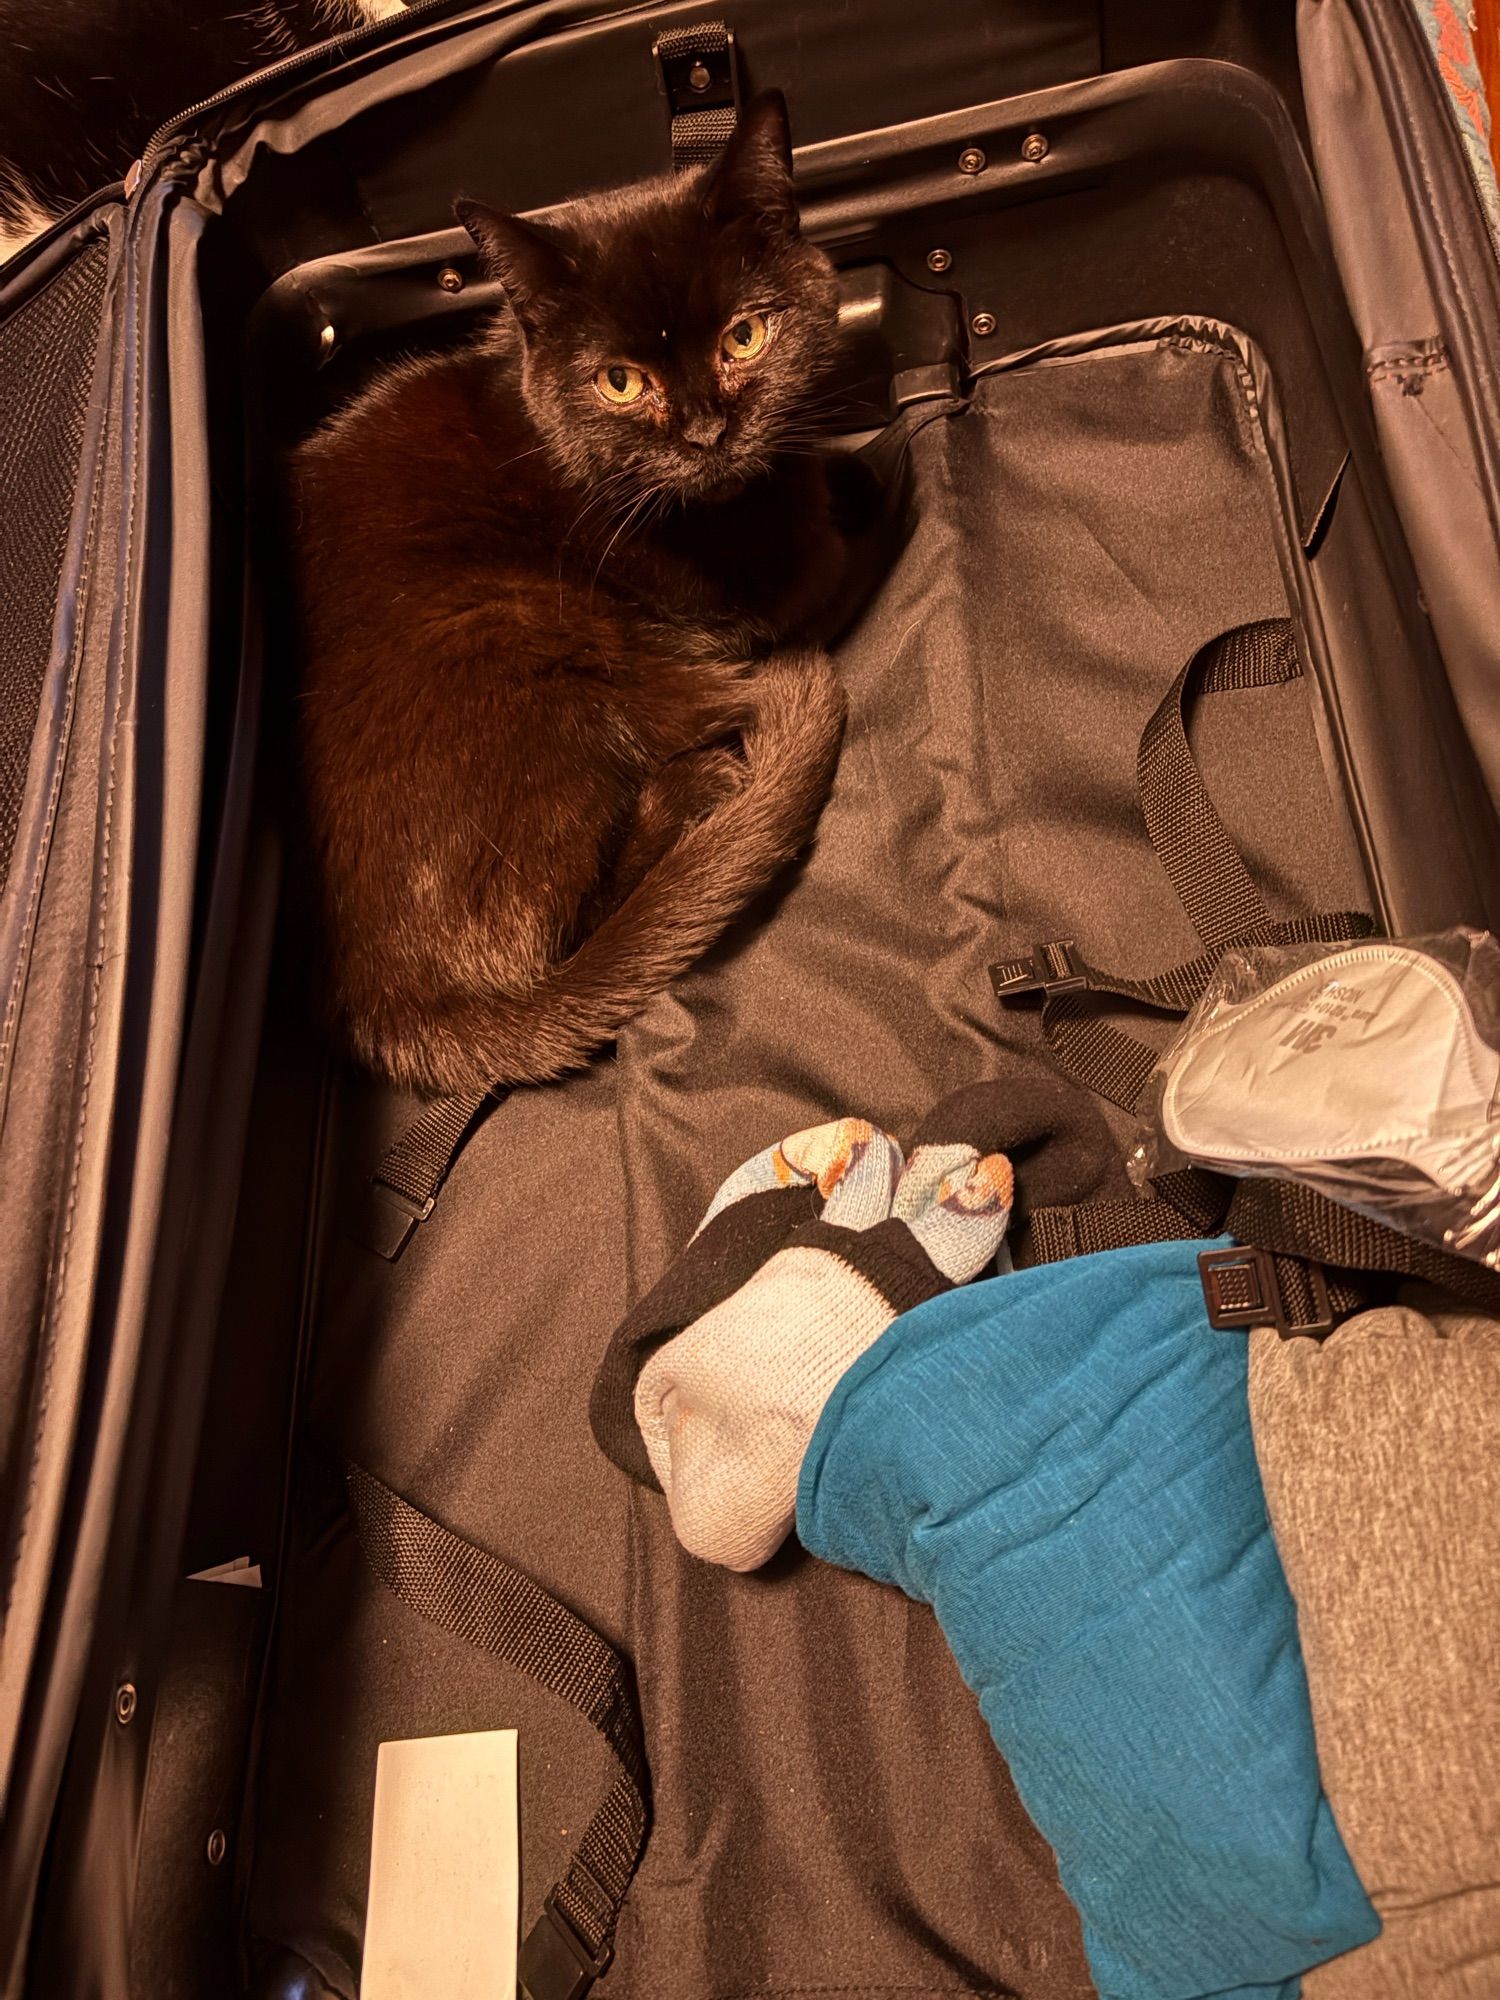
<point x="389" y="1219"/>
<point x="555" y="1963"/>
<point x="1051" y="969"/>
<point x="1241" y="1290"/>
<point x="697" y="78"/>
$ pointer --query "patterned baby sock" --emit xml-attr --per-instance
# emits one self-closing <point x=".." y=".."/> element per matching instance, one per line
<point x="727" y="1407"/>
<point x="755" y="1212"/>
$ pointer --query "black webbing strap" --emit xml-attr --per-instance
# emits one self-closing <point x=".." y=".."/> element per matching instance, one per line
<point x="1202" y="862"/>
<point x="1105" y="1059"/>
<point x="1203" y="865"/>
<point x="1294" y="1221"/>
<point x="1318" y="1255"/>
<point x="405" y="1185"/>
<point x="1309" y="1258"/>
<point x="701" y="79"/>
<point x="1090" y="1226"/>
<point x="1227" y="910"/>
<point x="489" y="1605"/>
<point x="1193" y="1203"/>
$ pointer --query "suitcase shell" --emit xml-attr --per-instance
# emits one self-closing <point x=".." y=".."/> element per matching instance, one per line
<point x="1301" y="194"/>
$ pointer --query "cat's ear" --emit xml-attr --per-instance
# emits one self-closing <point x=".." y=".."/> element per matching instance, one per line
<point x="531" y="264"/>
<point x="753" y="174"/>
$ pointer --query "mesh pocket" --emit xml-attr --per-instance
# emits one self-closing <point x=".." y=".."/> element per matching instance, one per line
<point x="46" y="364"/>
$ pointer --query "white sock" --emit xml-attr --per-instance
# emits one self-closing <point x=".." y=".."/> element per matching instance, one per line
<point x="726" y="1408"/>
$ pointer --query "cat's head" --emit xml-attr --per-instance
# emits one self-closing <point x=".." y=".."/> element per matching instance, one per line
<point x="674" y="336"/>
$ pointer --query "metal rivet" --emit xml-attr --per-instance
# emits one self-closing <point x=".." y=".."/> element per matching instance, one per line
<point x="698" y="77"/>
<point x="125" y="1702"/>
<point x="217" y="1847"/>
<point x="1034" y="147"/>
<point x="972" y="160"/>
<point x="451" y="280"/>
<point x="983" y="324"/>
<point x="326" y="339"/>
<point x="939" y="260"/>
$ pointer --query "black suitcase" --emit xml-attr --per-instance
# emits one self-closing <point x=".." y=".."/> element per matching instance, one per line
<point x="1185" y="316"/>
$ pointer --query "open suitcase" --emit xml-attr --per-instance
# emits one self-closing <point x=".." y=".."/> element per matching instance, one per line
<point x="1186" y="317"/>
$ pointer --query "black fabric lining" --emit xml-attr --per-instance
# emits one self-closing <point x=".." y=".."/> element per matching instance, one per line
<point x="830" y="1813"/>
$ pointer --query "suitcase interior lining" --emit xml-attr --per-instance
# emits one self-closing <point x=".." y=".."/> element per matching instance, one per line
<point x="829" y="1811"/>
<point x="830" y="1814"/>
<point x="1170" y="188"/>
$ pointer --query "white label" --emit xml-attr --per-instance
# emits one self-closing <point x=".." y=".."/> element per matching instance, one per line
<point x="241" y="1571"/>
<point x="445" y="1870"/>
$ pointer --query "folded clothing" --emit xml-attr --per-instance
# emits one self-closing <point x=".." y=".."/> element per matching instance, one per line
<point x="1377" y="1450"/>
<point x="1060" y="1462"/>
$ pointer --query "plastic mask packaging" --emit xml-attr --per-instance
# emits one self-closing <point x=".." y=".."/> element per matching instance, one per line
<point x="1369" y="1072"/>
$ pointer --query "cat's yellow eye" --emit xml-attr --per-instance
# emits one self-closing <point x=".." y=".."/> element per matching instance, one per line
<point x="618" y="382"/>
<point x="745" y="337"/>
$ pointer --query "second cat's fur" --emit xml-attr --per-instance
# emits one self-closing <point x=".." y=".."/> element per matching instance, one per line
<point x="84" y="83"/>
<point x="546" y="756"/>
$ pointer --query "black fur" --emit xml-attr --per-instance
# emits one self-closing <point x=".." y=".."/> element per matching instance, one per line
<point x="547" y="758"/>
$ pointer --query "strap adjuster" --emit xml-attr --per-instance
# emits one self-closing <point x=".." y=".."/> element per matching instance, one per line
<point x="697" y="68"/>
<point x="389" y="1218"/>
<point x="1241" y="1289"/>
<point x="1051" y="969"/>
<point x="555" y="1963"/>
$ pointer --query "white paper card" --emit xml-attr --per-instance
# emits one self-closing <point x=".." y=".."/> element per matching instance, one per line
<point x="444" y="1906"/>
<point x="241" y="1571"/>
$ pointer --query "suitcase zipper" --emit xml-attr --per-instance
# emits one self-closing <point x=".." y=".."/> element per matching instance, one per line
<point x="161" y="141"/>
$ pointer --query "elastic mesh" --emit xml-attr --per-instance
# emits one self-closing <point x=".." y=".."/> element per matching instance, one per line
<point x="46" y="364"/>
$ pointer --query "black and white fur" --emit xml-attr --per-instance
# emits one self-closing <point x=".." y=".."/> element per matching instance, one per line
<point x="84" y="83"/>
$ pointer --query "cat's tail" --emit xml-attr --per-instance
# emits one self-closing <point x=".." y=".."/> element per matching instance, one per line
<point x="680" y="907"/>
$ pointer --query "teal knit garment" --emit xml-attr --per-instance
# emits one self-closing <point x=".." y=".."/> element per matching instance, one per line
<point x="1060" y="1462"/>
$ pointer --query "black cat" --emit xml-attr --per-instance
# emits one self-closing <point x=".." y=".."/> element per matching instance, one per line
<point x="566" y="709"/>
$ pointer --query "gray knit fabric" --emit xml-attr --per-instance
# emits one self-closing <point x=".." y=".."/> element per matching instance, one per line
<point x="1378" y="1451"/>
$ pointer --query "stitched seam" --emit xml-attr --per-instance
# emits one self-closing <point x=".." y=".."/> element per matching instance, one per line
<point x="1401" y="89"/>
<point x="64" y="1245"/>
<point x="1419" y="153"/>
<point x="1408" y="361"/>
<point x="1186" y="343"/>
<point x="54" y="799"/>
<point x="1468" y="472"/>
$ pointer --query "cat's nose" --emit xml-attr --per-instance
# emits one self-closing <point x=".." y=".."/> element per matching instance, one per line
<point x="704" y="428"/>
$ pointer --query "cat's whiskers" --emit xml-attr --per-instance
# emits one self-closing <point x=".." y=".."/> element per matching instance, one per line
<point x="594" y="498"/>
<point x="643" y="500"/>
<point x="604" y="496"/>
<point x="610" y="489"/>
<point x="507" y="462"/>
